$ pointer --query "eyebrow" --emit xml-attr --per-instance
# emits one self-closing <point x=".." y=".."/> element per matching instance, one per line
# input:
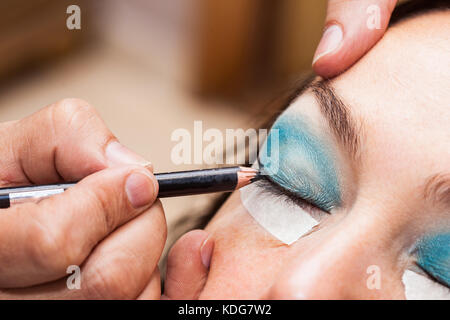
<point x="437" y="189"/>
<point x="345" y="127"/>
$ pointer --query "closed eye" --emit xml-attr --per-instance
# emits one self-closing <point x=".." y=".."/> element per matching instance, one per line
<point x="268" y="185"/>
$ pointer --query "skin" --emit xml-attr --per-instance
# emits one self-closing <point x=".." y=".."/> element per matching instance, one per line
<point x="75" y="146"/>
<point x="109" y="224"/>
<point x="316" y="183"/>
<point x="399" y="95"/>
<point x="357" y="39"/>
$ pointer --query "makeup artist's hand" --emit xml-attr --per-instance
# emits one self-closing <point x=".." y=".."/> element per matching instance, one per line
<point x="109" y="224"/>
<point x="351" y="29"/>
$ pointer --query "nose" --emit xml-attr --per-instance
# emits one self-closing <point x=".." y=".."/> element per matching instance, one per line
<point x="349" y="262"/>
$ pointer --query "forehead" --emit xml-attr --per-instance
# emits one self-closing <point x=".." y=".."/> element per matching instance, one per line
<point x="399" y="90"/>
<point x="409" y="66"/>
<point x="398" y="94"/>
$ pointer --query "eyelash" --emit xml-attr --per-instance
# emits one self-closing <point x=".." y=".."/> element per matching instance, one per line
<point x="431" y="277"/>
<point x="275" y="189"/>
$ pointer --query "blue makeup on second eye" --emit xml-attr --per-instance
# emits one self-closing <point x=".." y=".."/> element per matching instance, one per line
<point x="433" y="256"/>
<point x="304" y="165"/>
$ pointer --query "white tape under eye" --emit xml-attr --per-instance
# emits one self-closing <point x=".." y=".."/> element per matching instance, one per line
<point x="419" y="287"/>
<point x="285" y="221"/>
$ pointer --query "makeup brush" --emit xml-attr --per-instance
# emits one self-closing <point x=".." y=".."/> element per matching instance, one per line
<point x="171" y="184"/>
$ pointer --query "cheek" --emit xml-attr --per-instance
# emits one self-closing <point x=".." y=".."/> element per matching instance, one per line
<point x="246" y="259"/>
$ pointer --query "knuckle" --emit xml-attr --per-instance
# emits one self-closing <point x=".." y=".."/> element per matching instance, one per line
<point x="110" y="281"/>
<point x="70" y="106"/>
<point x="45" y="248"/>
<point x="71" y="113"/>
<point x="51" y="249"/>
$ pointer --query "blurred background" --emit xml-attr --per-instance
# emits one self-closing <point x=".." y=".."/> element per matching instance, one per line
<point x="152" y="66"/>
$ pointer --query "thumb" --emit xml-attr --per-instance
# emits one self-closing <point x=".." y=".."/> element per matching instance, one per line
<point x="44" y="238"/>
<point x="188" y="266"/>
<point x="351" y="29"/>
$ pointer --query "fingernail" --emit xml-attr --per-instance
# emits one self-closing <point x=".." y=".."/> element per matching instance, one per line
<point x="206" y="251"/>
<point x="140" y="190"/>
<point x="331" y="39"/>
<point x="117" y="154"/>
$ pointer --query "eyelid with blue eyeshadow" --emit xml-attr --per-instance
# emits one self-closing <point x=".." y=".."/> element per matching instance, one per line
<point x="433" y="256"/>
<point x="304" y="166"/>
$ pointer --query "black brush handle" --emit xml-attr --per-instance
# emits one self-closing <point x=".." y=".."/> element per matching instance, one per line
<point x="183" y="183"/>
<point x="171" y="184"/>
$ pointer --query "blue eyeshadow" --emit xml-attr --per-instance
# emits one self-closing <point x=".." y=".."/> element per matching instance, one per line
<point x="433" y="256"/>
<point x="301" y="162"/>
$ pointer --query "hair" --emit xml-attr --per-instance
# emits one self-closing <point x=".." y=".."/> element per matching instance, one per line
<point x="271" y="111"/>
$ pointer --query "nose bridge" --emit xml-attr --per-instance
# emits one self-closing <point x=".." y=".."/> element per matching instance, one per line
<point x="352" y="259"/>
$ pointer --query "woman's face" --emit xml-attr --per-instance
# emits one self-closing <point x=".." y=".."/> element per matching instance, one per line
<point x="370" y="152"/>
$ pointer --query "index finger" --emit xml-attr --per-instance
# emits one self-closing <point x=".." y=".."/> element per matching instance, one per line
<point x="65" y="141"/>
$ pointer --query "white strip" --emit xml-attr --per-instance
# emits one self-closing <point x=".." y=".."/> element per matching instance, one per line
<point x="419" y="287"/>
<point x="285" y="221"/>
